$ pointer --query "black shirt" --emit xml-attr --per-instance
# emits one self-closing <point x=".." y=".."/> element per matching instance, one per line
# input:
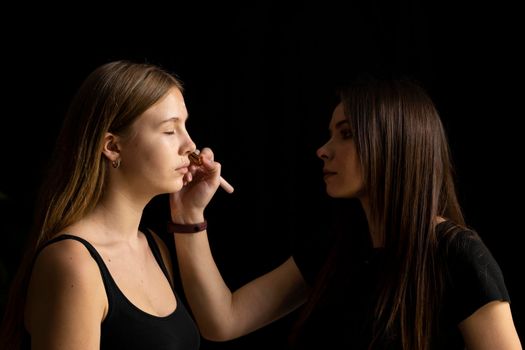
<point x="345" y="314"/>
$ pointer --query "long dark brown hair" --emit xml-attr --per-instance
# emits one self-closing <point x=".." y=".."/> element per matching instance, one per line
<point x="408" y="175"/>
<point x="110" y="100"/>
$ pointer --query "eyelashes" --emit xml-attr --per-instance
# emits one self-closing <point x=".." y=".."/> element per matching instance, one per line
<point x="347" y="134"/>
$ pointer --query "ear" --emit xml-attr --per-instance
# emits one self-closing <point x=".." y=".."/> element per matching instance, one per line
<point x="111" y="146"/>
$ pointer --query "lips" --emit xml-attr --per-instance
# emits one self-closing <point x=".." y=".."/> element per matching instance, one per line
<point x="183" y="168"/>
<point x="327" y="173"/>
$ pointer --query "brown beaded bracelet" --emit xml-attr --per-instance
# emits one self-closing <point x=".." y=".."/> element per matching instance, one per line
<point x="187" y="228"/>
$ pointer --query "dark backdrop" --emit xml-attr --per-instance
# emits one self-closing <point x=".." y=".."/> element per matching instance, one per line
<point x="259" y="82"/>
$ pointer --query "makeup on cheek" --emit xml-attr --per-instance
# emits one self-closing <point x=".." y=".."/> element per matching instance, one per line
<point x="195" y="159"/>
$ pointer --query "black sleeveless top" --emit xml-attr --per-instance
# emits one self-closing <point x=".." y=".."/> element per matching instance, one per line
<point x="128" y="327"/>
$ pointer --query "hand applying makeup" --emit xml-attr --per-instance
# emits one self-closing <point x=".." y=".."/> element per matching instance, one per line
<point x="201" y="183"/>
<point x="195" y="159"/>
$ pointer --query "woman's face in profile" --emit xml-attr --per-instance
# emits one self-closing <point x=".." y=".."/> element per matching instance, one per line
<point x="342" y="167"/>
<point x="155" y="156"/>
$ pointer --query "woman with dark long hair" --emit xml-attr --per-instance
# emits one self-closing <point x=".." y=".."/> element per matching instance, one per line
<point x="422" y="280"/>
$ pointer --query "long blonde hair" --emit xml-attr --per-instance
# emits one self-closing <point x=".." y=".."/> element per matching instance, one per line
<point x="109" y="100"/>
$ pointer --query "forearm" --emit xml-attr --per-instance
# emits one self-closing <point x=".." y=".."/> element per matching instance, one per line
<point x="208" y="295"/>
<point x="222" y="315"/>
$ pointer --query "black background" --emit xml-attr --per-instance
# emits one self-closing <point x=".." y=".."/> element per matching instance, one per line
<point x="259" y="84"/>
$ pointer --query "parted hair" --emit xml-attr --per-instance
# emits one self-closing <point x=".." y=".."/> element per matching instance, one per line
<point x="110" y="99"/>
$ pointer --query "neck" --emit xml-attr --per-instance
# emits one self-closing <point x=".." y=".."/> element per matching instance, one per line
<point x="377" y="241"/>
<point x="117" y="216"/>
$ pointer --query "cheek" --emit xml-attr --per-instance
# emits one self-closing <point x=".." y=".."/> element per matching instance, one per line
<point x="147" y="153"/>
<point x="353" y="174"/>
<point x="156" y="156"/>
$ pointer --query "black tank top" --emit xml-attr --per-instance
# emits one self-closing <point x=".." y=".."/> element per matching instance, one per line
<point x="127" y="327"/>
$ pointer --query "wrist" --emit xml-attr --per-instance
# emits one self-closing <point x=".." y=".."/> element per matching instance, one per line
<point x="175" y="227"/>
<point x="187" y="218"/>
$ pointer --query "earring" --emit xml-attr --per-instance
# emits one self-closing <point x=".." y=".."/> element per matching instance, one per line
<point x="116" y="163"/>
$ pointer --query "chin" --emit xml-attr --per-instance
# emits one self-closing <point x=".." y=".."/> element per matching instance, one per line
<point x="334" y="194"/>
<point x="339" y="193"/>
<point x="175" y="186"/>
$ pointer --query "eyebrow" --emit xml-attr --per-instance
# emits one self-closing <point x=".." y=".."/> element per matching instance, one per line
<point x="173" y="119"/>
<point x="340" y="123"/>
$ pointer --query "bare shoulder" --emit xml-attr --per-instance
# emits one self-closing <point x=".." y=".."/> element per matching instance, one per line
<point x="65" y="260"/>
<point x="64" y="277"/>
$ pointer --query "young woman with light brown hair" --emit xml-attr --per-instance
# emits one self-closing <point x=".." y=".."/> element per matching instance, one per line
<point x="92" y="278"/>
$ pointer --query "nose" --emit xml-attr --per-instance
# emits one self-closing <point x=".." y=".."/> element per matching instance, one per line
<point x="188" y="146"/>
<point x="322" y="152"/>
